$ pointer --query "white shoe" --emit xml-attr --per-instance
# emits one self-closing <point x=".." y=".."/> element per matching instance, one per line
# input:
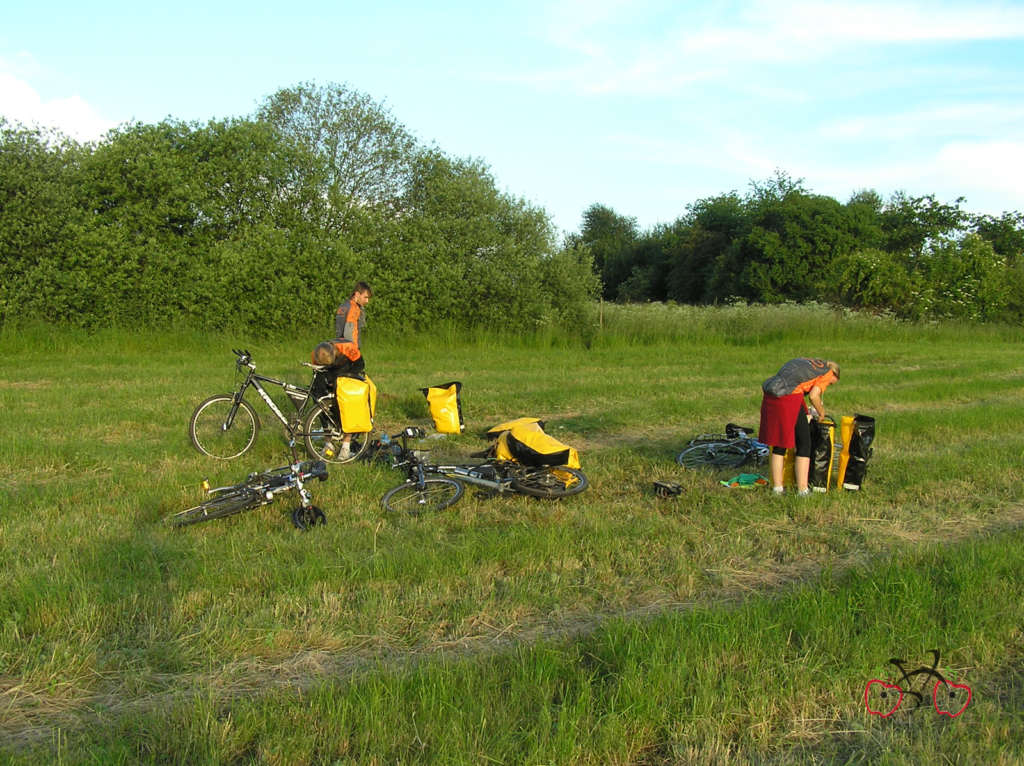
<point x="345" y="451"/>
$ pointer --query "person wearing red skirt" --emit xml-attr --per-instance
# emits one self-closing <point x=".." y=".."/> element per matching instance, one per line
<point x="784" y="418"/>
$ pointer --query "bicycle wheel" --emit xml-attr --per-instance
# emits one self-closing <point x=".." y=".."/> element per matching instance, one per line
<point x="714" y="455"/>
<point x="323" y="435"/>
<point x="436" y="494"/>
<point x="226" y="504"/>
<point x="550" y="482"/>
<point x="210" y="434"/>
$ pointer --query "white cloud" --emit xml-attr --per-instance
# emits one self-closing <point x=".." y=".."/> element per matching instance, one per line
<point x="957" y="119"/>
<point x="636" y="49"/>
<point x="72" y="116"/>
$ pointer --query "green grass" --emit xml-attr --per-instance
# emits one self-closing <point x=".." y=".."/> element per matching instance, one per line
<point x="615" y="627"/>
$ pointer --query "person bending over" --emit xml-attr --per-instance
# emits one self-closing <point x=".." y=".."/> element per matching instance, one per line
<point x="785" y="423"/>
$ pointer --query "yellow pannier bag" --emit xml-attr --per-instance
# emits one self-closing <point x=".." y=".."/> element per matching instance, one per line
<point x="446" y="407"/>
<point x="526" y="442"/>
<point x="357" y="403"/>
<point x="498" y="430"/>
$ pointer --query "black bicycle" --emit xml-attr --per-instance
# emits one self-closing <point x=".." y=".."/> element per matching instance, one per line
<point x="733" y="449"/>
<point x="225" y="426"/>
<point x="430" y="487"/>
<point x="257" y="490"/>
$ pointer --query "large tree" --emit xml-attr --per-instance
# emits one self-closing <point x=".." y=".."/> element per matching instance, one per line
<point x="611" y="238"/>
<point x="361" y="154"/>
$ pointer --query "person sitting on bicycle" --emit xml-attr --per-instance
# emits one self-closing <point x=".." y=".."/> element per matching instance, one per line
<point x="784" y="417"/>
<point x="331" y="356"/>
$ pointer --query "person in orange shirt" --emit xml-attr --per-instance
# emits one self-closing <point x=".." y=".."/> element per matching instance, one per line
<point x="785" y="422"/>
<point x="343" y="356"/>
<point x="349" y="320"/>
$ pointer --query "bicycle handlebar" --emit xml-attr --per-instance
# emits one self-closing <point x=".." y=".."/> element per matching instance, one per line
<point x="244" y="358"/>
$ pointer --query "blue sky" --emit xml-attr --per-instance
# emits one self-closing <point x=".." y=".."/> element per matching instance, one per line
<point x="641" y="106"/>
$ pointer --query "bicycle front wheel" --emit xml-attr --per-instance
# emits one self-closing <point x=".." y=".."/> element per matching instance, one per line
<point x="226" y="504"/>
<point x="213" y="435"/>
<point x="323" y="435"/>
<point x="436" y="494"/>
<point x="714" y="455"/>
<point x="550" y="482"/>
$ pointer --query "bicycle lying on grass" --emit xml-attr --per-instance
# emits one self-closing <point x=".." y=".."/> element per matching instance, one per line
<point x="735" y="448"/>
<point x="225" y="426"/>
<point x="430" y="487"/>
<point x="257" y="490"/>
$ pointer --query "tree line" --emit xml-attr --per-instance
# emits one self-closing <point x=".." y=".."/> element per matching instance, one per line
<point x="913" y="257"/>
<point x="265" y="223"/>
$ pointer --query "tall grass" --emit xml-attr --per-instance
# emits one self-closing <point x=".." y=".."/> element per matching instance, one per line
<point x="108" y="616"/>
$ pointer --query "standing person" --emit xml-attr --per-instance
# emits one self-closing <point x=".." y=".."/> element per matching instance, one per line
<point x="349" y="321"/>
<point x="343" y="355"/>
<point x="784" y="418"/>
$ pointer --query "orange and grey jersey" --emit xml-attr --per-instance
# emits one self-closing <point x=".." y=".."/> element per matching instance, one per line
<point x="798" y="376"/>
<point x="348" y="324"/>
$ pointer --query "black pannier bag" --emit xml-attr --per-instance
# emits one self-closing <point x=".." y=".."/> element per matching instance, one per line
<point x="823" y="437"/>
<point x="860" y="451"/>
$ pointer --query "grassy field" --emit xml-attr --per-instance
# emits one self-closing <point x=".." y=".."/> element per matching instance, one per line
<point x="721" y="626"/>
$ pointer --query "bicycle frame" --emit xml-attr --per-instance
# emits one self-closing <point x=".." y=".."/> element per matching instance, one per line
<point x="255" y="380"/>
<point x="418" y="469"/>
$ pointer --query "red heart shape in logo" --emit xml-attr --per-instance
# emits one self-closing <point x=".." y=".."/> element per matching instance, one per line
<point x="884" y="694"/>
<point x="950" y="695"/>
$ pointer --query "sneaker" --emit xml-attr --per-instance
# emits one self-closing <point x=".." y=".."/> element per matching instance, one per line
<point x="778" y="490"/>
<point x="345" y="451"/>
<point x="804" y="492"/>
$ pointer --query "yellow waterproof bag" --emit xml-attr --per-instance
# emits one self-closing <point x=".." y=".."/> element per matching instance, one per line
<point x="357" y="403"/>
<point x="526" y="442"/>
<point x="846" y="434"/>
<point x="445" y="406"/>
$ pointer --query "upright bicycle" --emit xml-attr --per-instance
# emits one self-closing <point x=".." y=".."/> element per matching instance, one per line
<point x="434" y="487"/>
<point x="257" y="490"/>
<point x="225" y="426"/>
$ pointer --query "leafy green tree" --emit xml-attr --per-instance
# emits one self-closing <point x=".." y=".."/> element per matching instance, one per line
<point x="1005" y="233"/>
<point x="871" y="279"/>
<point x="700" y="243"/>
<point x="463" y="250"/>
<point x="649" y="267"/>
<point x="361" y="154"/>
<point x="38" y="220"/>
<point x="909" y="224"/>
<point x="611" y="238"/>
<point x="963" y="279"/>
<point x="792" y="242"/>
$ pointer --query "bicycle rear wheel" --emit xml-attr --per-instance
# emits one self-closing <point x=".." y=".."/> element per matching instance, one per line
<point x="550" y="482"/>
<point x="436" y="494"/>
<point x="323" y="435"/>
<point x="225" y="504"/>
<point x="724" y="454"/>
<point x="211" y="434"/>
